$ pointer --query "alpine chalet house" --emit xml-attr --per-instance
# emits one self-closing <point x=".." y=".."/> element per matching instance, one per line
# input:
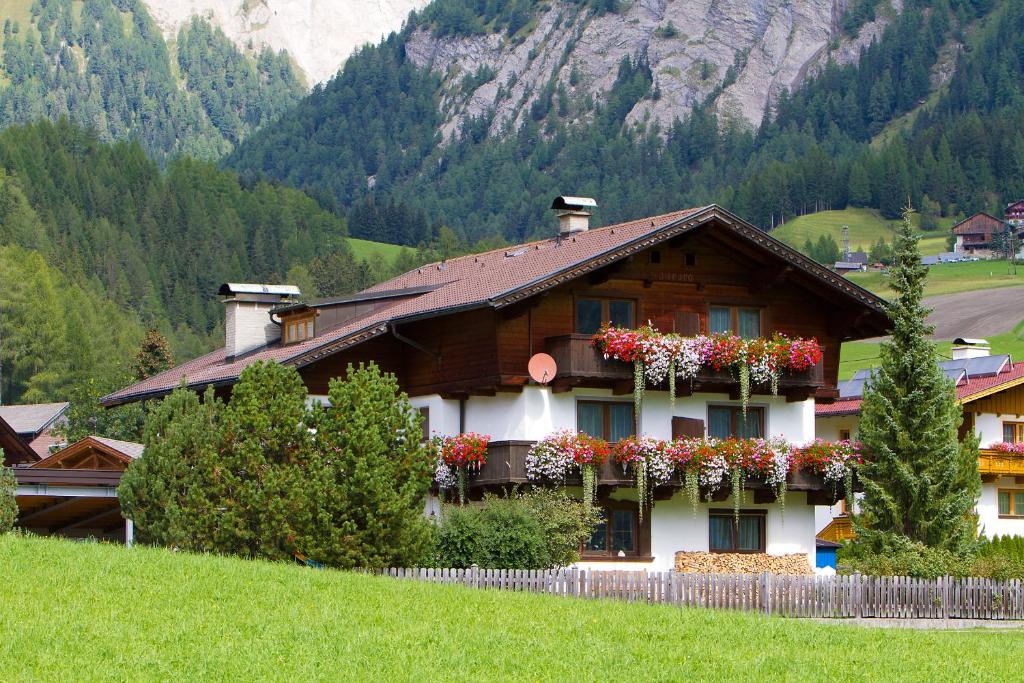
<point x="460" y="335"/>
<point x="991" y="391"/>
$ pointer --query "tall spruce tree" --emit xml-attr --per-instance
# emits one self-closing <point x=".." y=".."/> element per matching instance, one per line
<point x="921" y="482"/>
<point x="154" y="357"/>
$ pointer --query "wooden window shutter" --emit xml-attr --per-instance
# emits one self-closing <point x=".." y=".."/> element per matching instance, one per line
<point x="687" y="427"/>
<point x="687" y="323"/>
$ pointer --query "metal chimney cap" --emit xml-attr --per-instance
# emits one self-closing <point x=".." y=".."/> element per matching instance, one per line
<point x="967" y="341"/>
<point x="567" y="203"/>
<point x="245" y="288"/>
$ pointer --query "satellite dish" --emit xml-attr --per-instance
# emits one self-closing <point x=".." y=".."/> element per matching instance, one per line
<point x="542" y="368"/>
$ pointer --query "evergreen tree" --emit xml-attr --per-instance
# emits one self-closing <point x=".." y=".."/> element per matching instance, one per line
<point x="153" y="358"/>
<point x="8" y="502"/>
<point x="920" y="482"/>
<point x="374" y="485"/>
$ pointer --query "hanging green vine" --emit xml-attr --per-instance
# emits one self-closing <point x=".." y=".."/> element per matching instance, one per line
<point x="642" y="494"/>
<point x="691" y="481"/>
<point x="744" y="387"/>
<point x="461" y="474"/>
<point x="737" y="491"/>
<point x="638" y="386"/>
<point x="672" y="384"/>
<point x="589" y="473"/>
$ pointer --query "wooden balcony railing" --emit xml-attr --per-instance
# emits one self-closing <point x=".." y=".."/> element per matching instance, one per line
<point x="1000" y="464"/>
<point x="580" y="363"/>
<point x="506" y="465"/>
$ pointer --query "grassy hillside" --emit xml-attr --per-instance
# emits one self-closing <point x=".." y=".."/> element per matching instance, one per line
<point x="866" y="226"/>
<point x="859" y="355"/>
<point x="105" y="612"/>
<point x="364" y="249"/>
<point x="946" y="278"/>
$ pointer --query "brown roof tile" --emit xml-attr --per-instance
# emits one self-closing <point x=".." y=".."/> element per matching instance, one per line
<point x="495" y="278"/>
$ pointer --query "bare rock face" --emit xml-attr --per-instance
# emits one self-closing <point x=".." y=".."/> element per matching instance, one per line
<point x="318" y="34"/>
<point x="743" y="52"/>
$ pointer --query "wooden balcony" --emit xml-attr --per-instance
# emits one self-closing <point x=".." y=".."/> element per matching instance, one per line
<point x="580" y="364"/>
<point x="993" y="463"/>
<point x="506" y="466"/>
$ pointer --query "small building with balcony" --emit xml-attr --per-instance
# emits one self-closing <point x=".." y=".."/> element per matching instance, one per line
<point x="459" y="336"/>
<point x="990" y="388"/>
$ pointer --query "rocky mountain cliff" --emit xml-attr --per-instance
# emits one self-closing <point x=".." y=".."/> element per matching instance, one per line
<point x="318" y="34"/>
<point x="743" y="53"/>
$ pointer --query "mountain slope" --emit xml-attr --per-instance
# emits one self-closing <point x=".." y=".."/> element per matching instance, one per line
<point x="318" y="36"/>
<point x="105" y="64"/>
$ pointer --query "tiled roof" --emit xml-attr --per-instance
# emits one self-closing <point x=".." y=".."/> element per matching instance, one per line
<point x="495" y="278"/>
<point x="32" y="418"/>
<point x="970" y="389"/>
<point x="130" y="448"/>
<point x="43" y="443"/>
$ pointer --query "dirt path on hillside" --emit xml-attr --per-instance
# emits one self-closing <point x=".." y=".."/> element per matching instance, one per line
<point x="981" y="313"/>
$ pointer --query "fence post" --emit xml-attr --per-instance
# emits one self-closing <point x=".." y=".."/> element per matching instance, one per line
<point x="858" y="595"/>
<point x="766" y="599"/>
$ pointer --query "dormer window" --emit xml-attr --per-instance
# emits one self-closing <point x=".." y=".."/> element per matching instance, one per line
<point x="298" y="330"/>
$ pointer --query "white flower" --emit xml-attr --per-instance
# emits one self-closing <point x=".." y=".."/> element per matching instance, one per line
<point x="445" y="476"/>
<point x="547" y="461"/>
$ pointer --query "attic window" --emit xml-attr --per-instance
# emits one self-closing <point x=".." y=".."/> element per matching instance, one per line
<point x="298" y="330"/>
<point x="691" y="258"/>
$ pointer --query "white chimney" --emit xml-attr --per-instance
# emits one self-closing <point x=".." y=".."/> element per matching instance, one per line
<point x="247" y="323"/>
<point x="573" y="213"/>
<point x="970" y="348"/>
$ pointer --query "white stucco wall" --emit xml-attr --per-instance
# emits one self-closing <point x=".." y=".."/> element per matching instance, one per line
<point x="537" y="411"/>
<point x="675" y="526"/>
<point x="989" y="427"/>
<point x="828" y="428"/>
<point x="989" y="522"/>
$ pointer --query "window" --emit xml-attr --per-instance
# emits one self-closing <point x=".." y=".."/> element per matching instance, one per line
<point x="1011" y="503"/>
<point x="425" y="413"/>
<point x="729" y="421"/>
<point x="728" y="533"/>
<point x="606" y="420"/>
<point x="743" y="322"/>
<point x="298" y="330"/>
<point x="592" y="313"/>
<point x="618" y="530"/>
<point x="844" y="434"/>
<point x="1013" y="432"/>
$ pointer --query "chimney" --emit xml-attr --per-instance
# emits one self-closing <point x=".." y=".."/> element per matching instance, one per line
<point x="970" y="348"/>
<point x="247" y="323"/>
<point x="573" y="213"/>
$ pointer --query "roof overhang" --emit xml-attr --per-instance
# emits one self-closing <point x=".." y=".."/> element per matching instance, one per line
<point x="15" y="449"/>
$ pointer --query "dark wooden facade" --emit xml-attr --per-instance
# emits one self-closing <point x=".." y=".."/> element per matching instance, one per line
<point x="486" y="350"/>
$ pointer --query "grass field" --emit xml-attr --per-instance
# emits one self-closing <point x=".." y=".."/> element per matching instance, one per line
<point x="946" y="278"/>
<point x="364" y="249"/>
<point x="866" y="226"/>
<point x="859" y="355"/>
<point x="74" y="611"/>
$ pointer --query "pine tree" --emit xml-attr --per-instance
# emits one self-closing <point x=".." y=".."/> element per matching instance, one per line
<point x="154" y="357"/>
<point x="920" y="482"/>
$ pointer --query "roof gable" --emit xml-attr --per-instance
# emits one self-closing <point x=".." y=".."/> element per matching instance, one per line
<point x="501" y="278"/>
<point x="15" y="449"/>
<point x="93" y="453"/>
<point x="980" y="223"/>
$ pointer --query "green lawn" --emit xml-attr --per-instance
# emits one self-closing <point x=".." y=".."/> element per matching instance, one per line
<point x="364" y="249"/>
<point x="866" y="226"/>
<point x="82" y="611"/>
<point x="947" y="278"/>
<point x="859" y="355"/>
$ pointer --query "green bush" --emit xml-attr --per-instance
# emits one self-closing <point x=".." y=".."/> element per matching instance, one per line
<point x="8" y="504"/>
<point x="535" y="530"/>
<point x="900" y="556"/>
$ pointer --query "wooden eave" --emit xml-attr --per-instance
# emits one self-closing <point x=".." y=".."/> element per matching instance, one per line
<point x="15" y="450"/>
<point x="113" y="458"/>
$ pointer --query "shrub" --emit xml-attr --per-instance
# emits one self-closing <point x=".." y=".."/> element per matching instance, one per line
<point x="900" y="556"/>
<point x="268" y="476"/>
<point x="8" y="503"/>
<point x="535" y="530"/>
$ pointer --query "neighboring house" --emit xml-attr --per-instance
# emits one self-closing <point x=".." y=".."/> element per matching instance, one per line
<point x="15" y="449"/>
<point x="991" y="391"/>
<point x="849" y="267"/>
<point x="459" y="334"/>
<point x="976" y="236"/>
<point x="35" y="424"/>
<point x="73" y="492"/>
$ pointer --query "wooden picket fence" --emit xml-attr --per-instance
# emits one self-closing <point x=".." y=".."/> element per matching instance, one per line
<point x="893" y="597"/>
